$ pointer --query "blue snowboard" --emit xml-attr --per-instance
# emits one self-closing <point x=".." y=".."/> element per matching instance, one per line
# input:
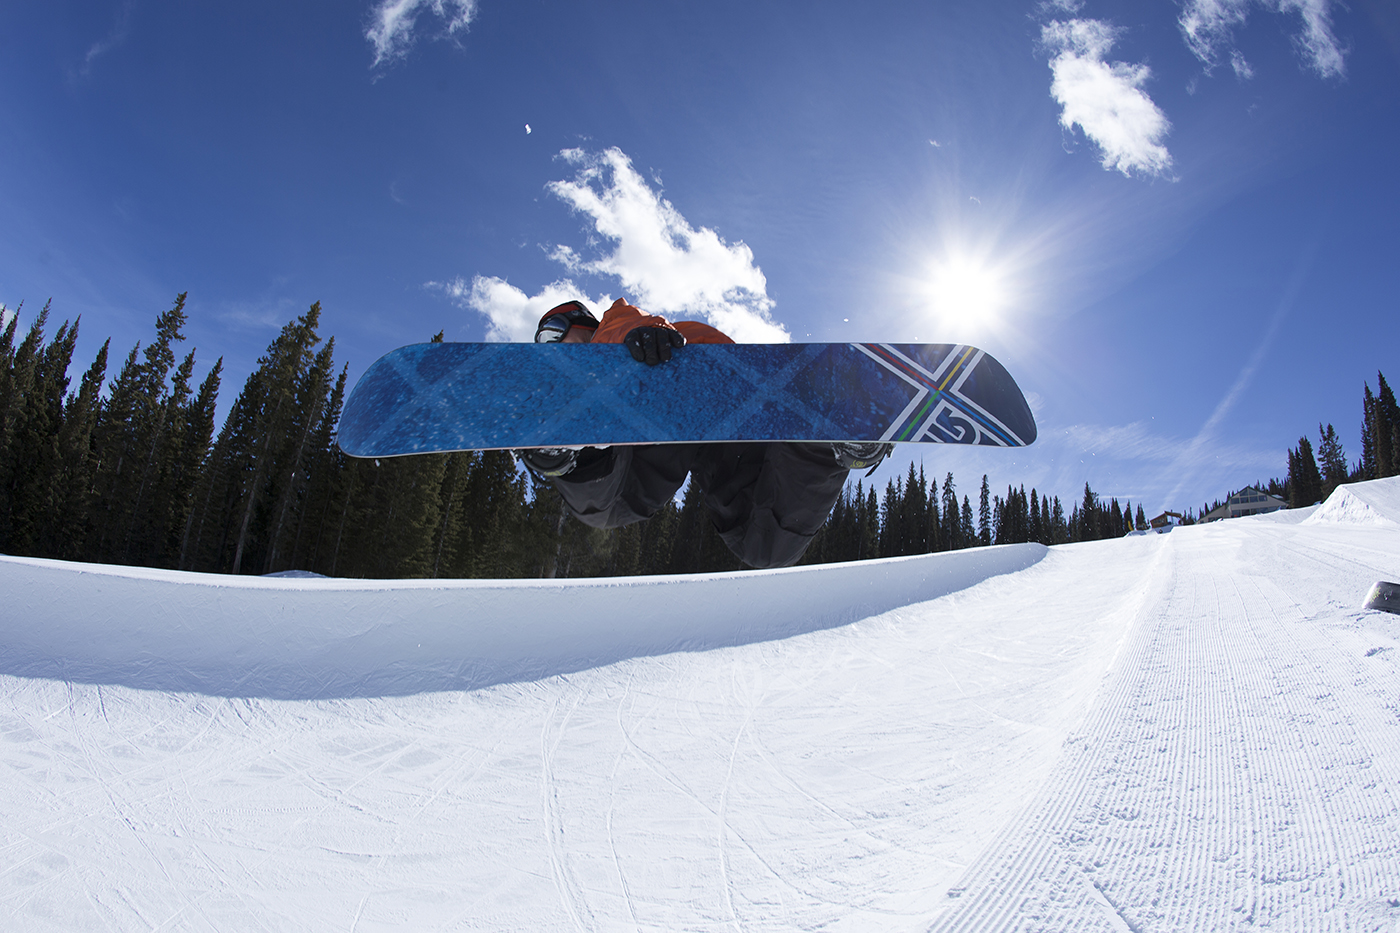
<point x="435" y="397"/>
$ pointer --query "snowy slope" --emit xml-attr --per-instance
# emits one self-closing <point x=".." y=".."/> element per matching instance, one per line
<point x="1373" y="503"/>
<point x="1189" y="731"/>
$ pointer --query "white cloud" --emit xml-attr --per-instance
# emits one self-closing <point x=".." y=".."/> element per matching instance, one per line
<point x="511" y="314"/>
<point x="1242" y="68"/>
<point x="664" y="265"/>
<point x="1208" y="27"/>
<point x="1106" y="100"/>
<point x="391" y="25"/>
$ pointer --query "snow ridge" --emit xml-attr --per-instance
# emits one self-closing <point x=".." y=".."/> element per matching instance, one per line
<point x="1376" y="502"/>
<point x="290" y="638"/>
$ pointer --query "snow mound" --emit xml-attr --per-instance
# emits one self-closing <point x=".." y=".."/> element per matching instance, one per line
<point x="1374" y="502"/>
<point x="298" y="638"/>
<point x="1287" y="516"/>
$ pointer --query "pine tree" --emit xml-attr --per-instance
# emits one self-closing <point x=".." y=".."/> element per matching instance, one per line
<point x="915" y="513"/>
<point x="1304" y="480"/>
<point x="870" y="526"/>
<point x="1141" y="521"/>
<point x="952" y="516"/>
<point x="31" y="423"/>
<point x="321" y="476"/>
<point x="1333" y="460"/>
<point x="1088" y="516"/>
<point x="397" y="517"/>
<point x="80" y="416"/>
<point x="493" y="511"/>
<point x="1384" y="419"/>
<point x="258" y="451"/>
<point x="934" y="532"/>
<point x="308" y="428"/>
<point x="272" y="418"/>
<point x="890" y="524"/>
<point x="984" y="515"/>
<point x="135" y="442"/>
<point x="1367" y="467"/>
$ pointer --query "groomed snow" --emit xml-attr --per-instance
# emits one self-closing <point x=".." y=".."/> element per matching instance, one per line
<point x="1195" y="731"/>
<point x="1373" y="503"/>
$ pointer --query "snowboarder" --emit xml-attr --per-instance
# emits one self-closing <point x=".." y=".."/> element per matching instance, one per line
<point x="766" y="500"/>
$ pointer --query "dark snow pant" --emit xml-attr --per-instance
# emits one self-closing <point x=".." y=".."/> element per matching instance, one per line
<point x="766" y="500"/>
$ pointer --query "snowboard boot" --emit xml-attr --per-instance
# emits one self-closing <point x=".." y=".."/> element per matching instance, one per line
<point x="859" y="456"/>
<point x="549" y="462"/>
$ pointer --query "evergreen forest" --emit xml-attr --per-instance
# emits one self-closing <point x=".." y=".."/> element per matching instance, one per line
<point x="1314" y="472"/>
<point x="135" y="471"/>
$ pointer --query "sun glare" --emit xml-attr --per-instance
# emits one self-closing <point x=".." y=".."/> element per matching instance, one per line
<point x="967" y="290"/>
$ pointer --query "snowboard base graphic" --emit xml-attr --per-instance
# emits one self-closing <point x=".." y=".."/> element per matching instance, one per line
<point x="438" y="397"/>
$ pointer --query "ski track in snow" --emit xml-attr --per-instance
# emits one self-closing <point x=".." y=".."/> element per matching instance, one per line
<point x="1240" y="770"/>
<point x="1197" y="731"/>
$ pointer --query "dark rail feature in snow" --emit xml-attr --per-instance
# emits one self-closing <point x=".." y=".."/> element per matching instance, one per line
<point x="305" y="639"/>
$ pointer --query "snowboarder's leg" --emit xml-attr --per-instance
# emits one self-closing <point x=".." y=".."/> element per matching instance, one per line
<point x="768" y="500"/>
<point x="620" y="485"/>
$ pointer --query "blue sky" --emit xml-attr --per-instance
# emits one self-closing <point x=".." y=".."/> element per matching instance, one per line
<point x="1175" y="223"/>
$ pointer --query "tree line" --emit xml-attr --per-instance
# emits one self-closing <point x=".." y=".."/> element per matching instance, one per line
<point x="1312" y="475"/>
<point x="134" y="472"/>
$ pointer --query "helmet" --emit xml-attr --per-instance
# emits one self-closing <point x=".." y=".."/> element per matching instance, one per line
<point x="557" y="321"/>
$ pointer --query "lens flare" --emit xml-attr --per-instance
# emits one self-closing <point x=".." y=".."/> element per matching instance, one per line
<point x="967" y="290"/>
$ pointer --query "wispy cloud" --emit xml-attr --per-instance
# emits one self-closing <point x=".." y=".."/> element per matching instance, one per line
<point x="1209" y="26"/>
<point x="1190" y="458"/>
<point x="1105" y="99"/>
<point x="662" y="263"/>
<point x="120" y="29"/>
<point x="257" y="314"/>
<point x="1133" y="441"/>
<point x="391" y="26"/>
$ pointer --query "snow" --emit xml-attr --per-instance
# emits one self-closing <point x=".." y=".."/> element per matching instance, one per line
<point x="1194" y="731"/>
<point x="1373" y="503"/>
<point x="307" y="638"/>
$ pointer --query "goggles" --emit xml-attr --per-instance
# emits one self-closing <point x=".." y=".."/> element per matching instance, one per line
<point x="556" y="322"/>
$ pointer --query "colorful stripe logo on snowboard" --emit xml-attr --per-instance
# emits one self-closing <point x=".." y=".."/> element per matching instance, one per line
<point x="938" y="412"/>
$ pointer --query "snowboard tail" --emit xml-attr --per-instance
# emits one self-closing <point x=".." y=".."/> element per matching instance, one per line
<point x="439" y="397"/>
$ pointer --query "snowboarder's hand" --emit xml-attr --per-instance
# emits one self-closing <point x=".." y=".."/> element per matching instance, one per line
<point x="652" y="345"/>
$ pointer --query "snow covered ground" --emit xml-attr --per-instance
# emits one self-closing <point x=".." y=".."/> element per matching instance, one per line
<point x="1191" y="731"/>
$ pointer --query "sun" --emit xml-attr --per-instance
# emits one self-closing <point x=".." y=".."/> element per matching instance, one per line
<point x="966" y="289"/>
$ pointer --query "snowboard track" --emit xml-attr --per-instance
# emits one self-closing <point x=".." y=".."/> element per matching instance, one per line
<point x="1192" y="731"/>
<point x="1227" y="777"/>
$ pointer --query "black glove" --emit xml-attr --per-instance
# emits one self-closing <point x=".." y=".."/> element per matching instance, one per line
<point x="652" y="345"/>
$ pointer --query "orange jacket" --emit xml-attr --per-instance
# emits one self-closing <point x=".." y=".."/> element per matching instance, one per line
<point x="621" y="318"/>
